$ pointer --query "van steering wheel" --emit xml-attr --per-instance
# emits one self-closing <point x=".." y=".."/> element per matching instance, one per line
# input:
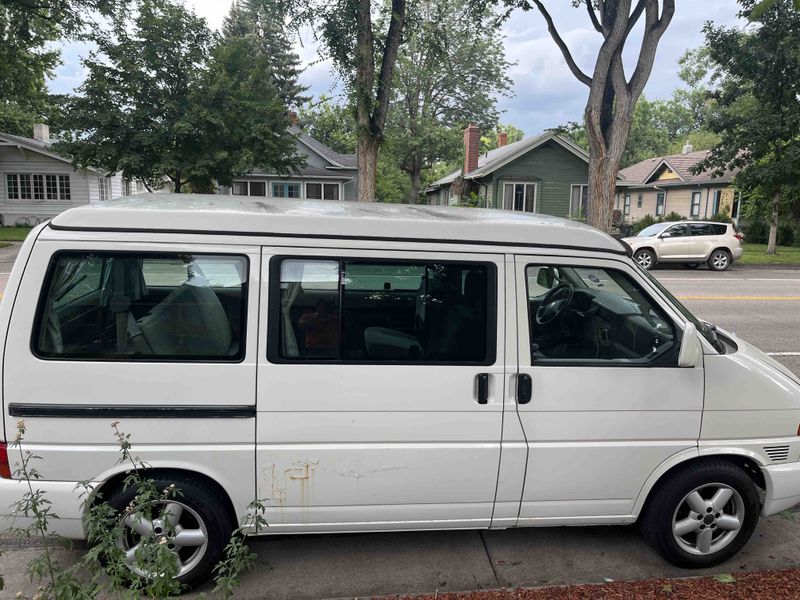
<point x="555" y="303"/>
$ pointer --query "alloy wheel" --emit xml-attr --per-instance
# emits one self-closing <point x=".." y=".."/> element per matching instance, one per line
<point x="719" y="260"/>
<point x="178" y="526"/>
<point x="645" y="259"/>
<point x="708" y="518"/>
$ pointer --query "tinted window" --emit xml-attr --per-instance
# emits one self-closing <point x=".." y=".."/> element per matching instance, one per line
<point x="129" y="306"/>
<point x="595" y="315"/>
<point x="701" y="229"/>
<point x="719" y="229"/>
<point x="368" y="311"/>
<point x="678" y="231"/>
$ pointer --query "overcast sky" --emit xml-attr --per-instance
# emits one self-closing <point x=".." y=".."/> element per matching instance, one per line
<point x="545" y="92"/>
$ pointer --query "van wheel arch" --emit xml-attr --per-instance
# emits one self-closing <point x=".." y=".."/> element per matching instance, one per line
<point x="116" y="480"/>
<point x="745" y="463"/>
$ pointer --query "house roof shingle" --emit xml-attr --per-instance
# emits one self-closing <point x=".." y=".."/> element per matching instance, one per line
<point x="344" y="161"/>
<point x="681" y="164"/>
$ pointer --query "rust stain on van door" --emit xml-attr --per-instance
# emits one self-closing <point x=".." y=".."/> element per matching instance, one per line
<point x="303" y="473"/>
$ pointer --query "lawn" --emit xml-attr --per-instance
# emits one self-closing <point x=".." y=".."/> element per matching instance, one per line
<point x="756" y="254"/>
<point x="14" y="234"/>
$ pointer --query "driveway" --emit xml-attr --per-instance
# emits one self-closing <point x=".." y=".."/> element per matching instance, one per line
<point x="759" y="304"/>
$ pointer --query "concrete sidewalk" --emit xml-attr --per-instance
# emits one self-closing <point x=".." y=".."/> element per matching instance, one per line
<point x="309" y="567"/>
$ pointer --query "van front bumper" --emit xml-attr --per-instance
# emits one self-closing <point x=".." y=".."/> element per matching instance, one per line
<point x="783" y="488"/>
<point x="65" y="501"/>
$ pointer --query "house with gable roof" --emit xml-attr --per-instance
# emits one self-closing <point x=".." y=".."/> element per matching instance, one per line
<point x="547" y="173"/>
<point x="664" y="184"/>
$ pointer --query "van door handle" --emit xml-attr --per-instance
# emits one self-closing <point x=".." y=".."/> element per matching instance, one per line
<point x="483" y="388"/>
<point x="524" y="388"/>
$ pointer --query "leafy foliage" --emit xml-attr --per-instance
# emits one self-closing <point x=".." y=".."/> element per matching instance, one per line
<point x="168" y="100"/>
<point x="331" y="123"/>
<point x="758" y="114"/>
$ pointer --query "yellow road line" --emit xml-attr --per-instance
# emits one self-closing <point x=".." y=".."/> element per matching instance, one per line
<point x="761" y="298"/>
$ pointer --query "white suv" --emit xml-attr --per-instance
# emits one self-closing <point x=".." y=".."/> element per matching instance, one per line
<point x="688" y="242"/>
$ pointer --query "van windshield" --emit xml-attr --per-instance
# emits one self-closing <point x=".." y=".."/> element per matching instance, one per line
<point x="707" y="330"/>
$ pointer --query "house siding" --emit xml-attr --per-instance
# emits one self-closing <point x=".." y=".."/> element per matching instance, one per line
<point x="677" y="199"/>
<point x="16" y="160"/>
<point x="552" y="168"/>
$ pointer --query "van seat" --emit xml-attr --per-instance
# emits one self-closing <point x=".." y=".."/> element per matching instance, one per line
<point x="390" y="344"/>
<point x="189" y="322"/>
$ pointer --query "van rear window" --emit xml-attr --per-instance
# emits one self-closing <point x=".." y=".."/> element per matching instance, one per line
<point x="128" y="306"/>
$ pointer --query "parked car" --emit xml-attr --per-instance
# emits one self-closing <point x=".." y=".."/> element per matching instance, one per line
<point x="369" y="367"/>
<point x="689" y="242"/>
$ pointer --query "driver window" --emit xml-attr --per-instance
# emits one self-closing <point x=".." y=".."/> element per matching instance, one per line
<point x="591" y="315"/>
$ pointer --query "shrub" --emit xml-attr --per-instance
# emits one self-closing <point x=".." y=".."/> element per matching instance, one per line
<point x="756" y="231"/>
<point x="673" y="216"/>
<point x="645" y="221"/>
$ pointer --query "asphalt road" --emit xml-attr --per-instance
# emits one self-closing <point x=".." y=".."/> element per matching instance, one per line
<point x="760" y="305"/>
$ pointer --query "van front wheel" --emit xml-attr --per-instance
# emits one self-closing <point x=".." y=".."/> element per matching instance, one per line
<point x="703" y="514"/>
<point x="191" y="522"/>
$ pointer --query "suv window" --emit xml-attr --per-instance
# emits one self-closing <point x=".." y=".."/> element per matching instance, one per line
<point x="681" y="230"/>
<point x="595" y="315"/>
<point x="360" y="311"/>
<point x="112" y="306"/>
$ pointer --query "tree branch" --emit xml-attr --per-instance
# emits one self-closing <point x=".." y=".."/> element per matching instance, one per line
<point x="393" y="39"/>
<point x="573" y="66"/>
<point x="593" y="16"/>
<point x="654" y="28"/>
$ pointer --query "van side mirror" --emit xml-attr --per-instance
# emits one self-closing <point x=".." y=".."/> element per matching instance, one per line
<point x="691" y="353"/>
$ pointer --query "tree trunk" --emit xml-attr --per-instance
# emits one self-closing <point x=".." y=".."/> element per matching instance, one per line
<point x="415" y="174"/>
<point x="602" y="191"/>
<point x="367" y="155"/>
<point x="772" y="243"/>
<point x="178" y="183"/>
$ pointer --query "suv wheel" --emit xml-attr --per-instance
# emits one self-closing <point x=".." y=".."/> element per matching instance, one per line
<point x="703" y="514"/>
<point x="719" y="260"/>
<point x="645" y="258"/>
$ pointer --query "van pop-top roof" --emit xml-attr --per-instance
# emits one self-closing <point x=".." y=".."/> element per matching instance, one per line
<point x="235" y="215"/>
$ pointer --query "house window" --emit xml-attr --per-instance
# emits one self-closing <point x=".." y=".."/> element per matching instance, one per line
<point x="660" y="204"/>
<point x="639" y="199"/>
<point x="627" y="206"/>
<point x="717" y="202"/>
<point x="578" y="202"/>
<point x="24" y="186"/>
<point x="104" y="185"/>
<point x="64" y="192"/>
<point x="695" y="210"/>
<point x="38" y="187"/>
<point x="239" y="188"/>
<point x="258" y="188"/>
<point x="320" y="191"/>
<point x="284" y="189"/>
<point x="519" y="196"/>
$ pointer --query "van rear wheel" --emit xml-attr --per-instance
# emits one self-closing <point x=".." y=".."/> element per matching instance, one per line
<point x="702" y="514"/>
<point x="193" y="524"/>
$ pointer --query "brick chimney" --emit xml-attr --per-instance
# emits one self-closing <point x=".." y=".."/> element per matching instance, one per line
<point x="293" y="118"/>
<point x="41" y="132"/>
<point x="502" y="138"/>
<point x="472" y="138"/>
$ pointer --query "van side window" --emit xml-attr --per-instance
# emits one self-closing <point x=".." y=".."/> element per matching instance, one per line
<point x="379" y="311"/>
<point x="595" y="316"/>
<point x="128" y="306"/>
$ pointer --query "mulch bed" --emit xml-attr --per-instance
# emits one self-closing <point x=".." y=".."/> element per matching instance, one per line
<point x="758" y="585"/>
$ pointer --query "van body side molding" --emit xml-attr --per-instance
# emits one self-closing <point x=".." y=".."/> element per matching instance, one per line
<point x="89" y="411"/>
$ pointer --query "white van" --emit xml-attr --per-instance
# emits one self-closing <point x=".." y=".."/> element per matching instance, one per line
<point x="370" y="367"/>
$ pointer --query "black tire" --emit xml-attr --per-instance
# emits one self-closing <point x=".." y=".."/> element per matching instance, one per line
<point x="690" y="265"/>
<point x="668" y="498"/>
<point x="646" y="258"/>
<point x="205" y="502"/>
<point x="719" y="260"/>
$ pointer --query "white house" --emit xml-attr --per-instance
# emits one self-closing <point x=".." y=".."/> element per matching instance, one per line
<point x="37" y="183"/>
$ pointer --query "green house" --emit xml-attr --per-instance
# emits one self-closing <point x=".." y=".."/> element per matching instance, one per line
<point x="547" y="174"/>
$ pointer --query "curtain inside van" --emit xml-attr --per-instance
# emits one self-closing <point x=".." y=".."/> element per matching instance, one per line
<point x="292" y="278"/>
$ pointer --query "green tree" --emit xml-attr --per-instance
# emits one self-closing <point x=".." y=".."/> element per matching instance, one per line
<point x="26" y="60"/>
<point x="758" y="105"/>
<point x="443" y="82"/>
<point x="489" y="139"/>
<point x="263" y="21"/>
<point x="331" y="123"/>
<point x="162" y="102"/>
